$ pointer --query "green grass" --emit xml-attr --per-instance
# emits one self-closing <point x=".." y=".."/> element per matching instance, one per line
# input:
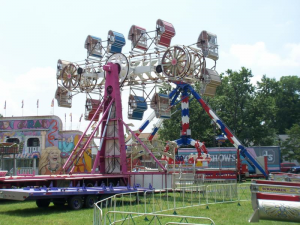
<point x="12" y="212"/>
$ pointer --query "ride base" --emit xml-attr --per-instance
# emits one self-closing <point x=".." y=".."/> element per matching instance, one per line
<point x="40" y="180"/>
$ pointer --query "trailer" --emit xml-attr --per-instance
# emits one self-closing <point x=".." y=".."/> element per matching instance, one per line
<point x="76" y="197"/>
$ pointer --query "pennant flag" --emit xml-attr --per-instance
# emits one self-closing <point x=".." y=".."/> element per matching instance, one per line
<point x="80" y="117"/>
<point x="5" y="104"/>
<point x="52" y="103"/>
<point x="22" y="104"/>
<point x="71" y="116"/>
<point x="37" y="103"/>
<point x="65" y="117"/>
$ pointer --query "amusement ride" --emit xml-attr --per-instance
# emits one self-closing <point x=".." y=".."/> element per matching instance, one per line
<point x="151" y="65"/>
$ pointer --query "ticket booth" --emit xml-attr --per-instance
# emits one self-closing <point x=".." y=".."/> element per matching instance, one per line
<point x="8" y="153"/>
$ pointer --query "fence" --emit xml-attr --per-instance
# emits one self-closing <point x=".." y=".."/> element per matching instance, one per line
<point x="136" y="204"/>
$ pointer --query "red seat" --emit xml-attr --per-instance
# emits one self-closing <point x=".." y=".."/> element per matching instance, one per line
<point x="165" y="32"/>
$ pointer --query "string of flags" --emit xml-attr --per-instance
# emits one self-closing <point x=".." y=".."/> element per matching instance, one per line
<point x="52" y="105"/>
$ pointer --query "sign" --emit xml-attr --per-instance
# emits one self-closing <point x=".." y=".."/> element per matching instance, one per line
<point x="279" y="189"/>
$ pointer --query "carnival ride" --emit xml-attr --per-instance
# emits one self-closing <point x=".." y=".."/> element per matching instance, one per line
<point x="152" y="62"/>
<point x="148" y="73"/>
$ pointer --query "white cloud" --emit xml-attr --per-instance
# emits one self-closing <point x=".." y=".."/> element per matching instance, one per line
<point x="258" y="55"/>
<point x="261" y="61"/>
<point x="38" y="83"/>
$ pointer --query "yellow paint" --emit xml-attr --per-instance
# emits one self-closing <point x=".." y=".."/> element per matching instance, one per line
<point x="85" y="166"/>
<point x="199" y="163"/>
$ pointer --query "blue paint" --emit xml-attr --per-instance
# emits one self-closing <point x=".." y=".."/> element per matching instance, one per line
<point x="145" y="125"/>
<point x="117" y="45"/>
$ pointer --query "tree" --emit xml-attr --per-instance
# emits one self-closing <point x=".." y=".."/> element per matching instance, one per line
<point x="291" y="147"/>
<point x="287" y="103"/>
<point x="263" y="112"/>
<point x="232" y="100"/>
<point x="255" y="114"/>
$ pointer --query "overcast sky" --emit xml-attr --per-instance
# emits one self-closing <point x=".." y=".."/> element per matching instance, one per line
<point x="263" y="36"/>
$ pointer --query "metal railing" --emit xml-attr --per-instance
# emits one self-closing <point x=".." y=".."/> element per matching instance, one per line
<point x="156" y="218"/>
<point x="154" y="201"/>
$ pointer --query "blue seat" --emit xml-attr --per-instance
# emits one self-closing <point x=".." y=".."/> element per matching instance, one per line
<point x="116" y="41"/>
<point x="93" y="46"/>
<point x="137" y="107"/>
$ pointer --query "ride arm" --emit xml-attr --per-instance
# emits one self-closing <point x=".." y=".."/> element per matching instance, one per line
<point x="155" y="129"/>
<point x="237" y="144"/>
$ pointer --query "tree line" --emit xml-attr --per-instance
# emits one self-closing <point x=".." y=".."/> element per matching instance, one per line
<point x="255" y="113"/>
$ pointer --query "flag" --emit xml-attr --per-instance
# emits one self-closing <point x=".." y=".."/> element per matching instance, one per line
<point x="52" y="103"/>
<point x="5" y="104"/>
<point x="65" y="117"/>
<point x="80" y="118"/>
<point x="22" y="104"/>
<point x="37" y="103"/>
<point x="71" y="116"/>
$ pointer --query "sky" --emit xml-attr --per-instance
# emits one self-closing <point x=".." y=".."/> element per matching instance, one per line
<point x="263" y="36"/>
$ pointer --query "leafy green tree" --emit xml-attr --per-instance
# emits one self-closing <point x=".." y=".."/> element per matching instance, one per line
<point x="291" y="147"/>
<point x="255" y="114"/>
<point x="262" y="113"/>
<point x="287" y="103"/>
<point x="231" y="102"/>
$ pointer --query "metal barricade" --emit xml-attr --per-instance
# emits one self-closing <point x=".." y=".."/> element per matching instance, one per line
<point x="153" y="217"/>
<point x="156" y="201"/>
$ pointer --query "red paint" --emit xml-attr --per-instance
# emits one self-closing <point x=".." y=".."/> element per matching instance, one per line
<point x="277" y="183"/>
<point x="50" y="136"/>
<point x="280" y="197"/>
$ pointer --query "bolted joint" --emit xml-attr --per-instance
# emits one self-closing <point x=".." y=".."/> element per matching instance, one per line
<point x="107" y="68"/>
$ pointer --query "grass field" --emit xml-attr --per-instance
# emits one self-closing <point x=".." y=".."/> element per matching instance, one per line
<point x="12" y="212"/>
